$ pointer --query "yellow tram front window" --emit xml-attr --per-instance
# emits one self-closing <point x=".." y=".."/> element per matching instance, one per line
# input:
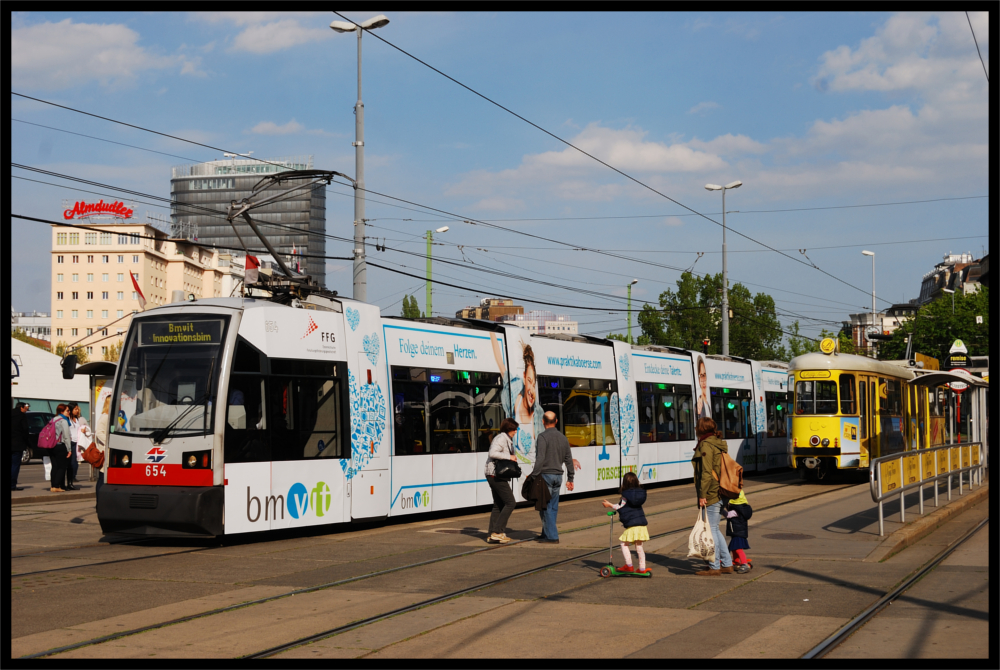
<point x="815" y="397"/>
<point x="847" y="404"/>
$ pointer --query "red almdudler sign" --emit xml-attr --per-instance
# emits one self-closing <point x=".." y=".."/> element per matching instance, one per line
<point x="116" y="209"/>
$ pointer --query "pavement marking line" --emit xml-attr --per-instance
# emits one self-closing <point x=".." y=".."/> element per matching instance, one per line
<point x="58" y="637"/>
<point x="788" y="637"/>
<point x="240" y="631"/>
<point x="363" y="641"/>
<point x="569" y="630"/>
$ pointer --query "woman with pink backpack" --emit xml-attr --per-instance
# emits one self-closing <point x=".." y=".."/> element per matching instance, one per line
<point x="56" y="438"/>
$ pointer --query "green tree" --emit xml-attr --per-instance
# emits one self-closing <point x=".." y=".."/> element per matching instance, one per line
<point x="623" y="337"/>
<point x="410" y="308"/>
<point x="934" y="327"/>
<point x="114" y="352"/>
<point x="800" y="344"/>
<point x="693" y="312"/>
<point x="20" y="334"/>
<point x="81" y="352"/>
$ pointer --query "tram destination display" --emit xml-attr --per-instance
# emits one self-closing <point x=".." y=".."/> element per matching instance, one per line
<point x="181" y="331"/>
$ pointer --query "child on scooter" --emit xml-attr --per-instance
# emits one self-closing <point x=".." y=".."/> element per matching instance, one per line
<point x="632" y="517"/>
<point x="737" y="528"/>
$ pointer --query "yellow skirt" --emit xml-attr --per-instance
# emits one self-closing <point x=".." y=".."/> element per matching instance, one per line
<point x="635" y="534"/>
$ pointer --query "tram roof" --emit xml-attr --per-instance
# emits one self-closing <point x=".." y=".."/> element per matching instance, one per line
<point x="851" y="362"/>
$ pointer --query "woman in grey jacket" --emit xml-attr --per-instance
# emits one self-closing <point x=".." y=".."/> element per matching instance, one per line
<point x="60" y="453"/>
<point x="502" y="448"/>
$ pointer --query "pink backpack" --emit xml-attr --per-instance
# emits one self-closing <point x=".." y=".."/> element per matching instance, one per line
<point x="47" y="438"/>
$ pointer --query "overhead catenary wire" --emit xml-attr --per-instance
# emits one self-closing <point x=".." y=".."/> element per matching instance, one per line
<point x="595" y="158"/>
<point x="977" y="47"/>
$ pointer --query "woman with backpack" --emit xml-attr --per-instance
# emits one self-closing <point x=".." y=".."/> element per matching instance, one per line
<point x="61" y="450"/>
<point x="707" y="463"/>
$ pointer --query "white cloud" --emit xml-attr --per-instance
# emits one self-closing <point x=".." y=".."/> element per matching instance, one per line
<point x="272" y="128"/>
<point x="673" y="221"/>
<point x="268" y="32"/>
<point x="498" y="204"/>
<point x="60" y="55"/>
<point x="730" y="145"/>
<point x="703" y="108"/>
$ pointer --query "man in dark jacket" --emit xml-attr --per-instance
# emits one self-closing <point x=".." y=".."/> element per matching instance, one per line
<point x="552" y="452"/>
<point x="18" y="441"/>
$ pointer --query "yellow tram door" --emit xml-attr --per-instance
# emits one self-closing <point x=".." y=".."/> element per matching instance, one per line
<point x="868" y="437"/>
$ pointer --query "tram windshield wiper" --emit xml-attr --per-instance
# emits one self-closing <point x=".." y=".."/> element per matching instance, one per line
<point x="160" y="434"/>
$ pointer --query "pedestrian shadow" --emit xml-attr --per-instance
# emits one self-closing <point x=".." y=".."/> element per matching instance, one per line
<point x="673" y="566"/>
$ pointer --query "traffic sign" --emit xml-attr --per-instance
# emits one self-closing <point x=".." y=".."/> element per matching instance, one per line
<point x="958" y="387"/>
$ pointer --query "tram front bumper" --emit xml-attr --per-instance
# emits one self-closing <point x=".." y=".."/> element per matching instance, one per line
<point x="183" y="511"/>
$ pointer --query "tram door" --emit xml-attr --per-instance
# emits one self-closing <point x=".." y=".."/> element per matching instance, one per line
<point x="868" y="402"/>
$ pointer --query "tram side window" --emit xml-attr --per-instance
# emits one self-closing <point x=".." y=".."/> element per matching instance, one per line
<point x="306" y="418"/>
<point x="890" y="397"/>
<point x="847" y="405"/>
<point x="445" y="411"/>
<point x="581" y="406"/>
<point x="247" y="439"/>
<point x="816" y="397"/>
<point x="665" y="413"/>
<point x="777" y="410"/>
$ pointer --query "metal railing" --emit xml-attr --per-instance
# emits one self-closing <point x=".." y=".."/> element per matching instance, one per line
<point x="904" y="471"/>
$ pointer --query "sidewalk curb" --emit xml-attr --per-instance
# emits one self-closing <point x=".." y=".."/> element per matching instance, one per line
<point x="925" y="525"/>
<point x="52" y="497"/>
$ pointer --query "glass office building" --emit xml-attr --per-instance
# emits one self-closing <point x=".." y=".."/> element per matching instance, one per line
<point x="287" y="222"/>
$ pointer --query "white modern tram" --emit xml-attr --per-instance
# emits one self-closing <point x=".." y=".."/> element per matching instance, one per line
<point x="242" y="415"/>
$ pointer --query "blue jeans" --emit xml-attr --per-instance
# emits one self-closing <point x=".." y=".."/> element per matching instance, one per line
<point x="15" y="467"/>
<point x="721" y="548"/>
<point x="549" y="529"/>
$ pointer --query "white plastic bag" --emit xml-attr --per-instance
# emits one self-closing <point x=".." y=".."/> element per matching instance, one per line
<point x="47" y="463"/>
<point x="700" y="542"/>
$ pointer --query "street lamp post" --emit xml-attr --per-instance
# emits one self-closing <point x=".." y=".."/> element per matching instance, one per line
<point x="360" y="267"/>
<point x="430" y="241"/>
<point x="725" y="273"/>
<point x="948" y="290"/>
<point x="633" y="283"/>
<point x="872" y="254"/>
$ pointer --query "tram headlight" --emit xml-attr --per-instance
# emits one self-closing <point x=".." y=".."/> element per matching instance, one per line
<point x="126" y="460"/>
<point x="192" y="461"/>
<point x="198" y="460"/>
<point x="814" y="440"/>
<point x="825" y="442"/>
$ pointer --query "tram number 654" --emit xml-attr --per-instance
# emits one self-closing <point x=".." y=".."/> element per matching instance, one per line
<point x="156" y="471"/>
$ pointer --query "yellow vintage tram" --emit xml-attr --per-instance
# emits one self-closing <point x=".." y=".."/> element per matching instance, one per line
<point x="848" y="409"/>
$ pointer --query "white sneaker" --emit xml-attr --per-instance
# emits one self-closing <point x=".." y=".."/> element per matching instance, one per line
<point x="503" y="539"/>
<point x="494" y="537"/>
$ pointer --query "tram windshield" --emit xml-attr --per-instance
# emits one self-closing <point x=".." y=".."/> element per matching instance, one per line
<point x="816" y="397"/>
<point x="169" y="375"/>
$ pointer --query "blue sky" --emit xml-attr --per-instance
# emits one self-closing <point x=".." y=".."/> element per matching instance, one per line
<point x="808" y="110"/>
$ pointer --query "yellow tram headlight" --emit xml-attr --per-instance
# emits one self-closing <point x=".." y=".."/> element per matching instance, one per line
<point x="192" y="461"/>
<point x="125" y="460"/>
<point x="825" y="442"/>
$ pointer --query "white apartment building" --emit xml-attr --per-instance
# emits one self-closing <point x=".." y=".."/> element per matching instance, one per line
<point x="542" y="322"/>
<point x="92" y="292"/>
<point x="35" y="324"/>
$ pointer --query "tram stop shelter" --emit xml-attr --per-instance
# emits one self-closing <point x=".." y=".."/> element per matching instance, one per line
<point x="972" y="399"/>
<point x="102" y="381"/>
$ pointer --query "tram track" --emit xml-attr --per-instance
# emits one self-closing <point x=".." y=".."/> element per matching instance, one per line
<point x="364" y="622"/>
<point x="69" y="568"/>
<point x="858" y="622"/>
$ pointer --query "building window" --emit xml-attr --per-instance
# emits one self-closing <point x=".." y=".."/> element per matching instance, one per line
<point x="121" y="259"/>
<point x="104" y="351"/>
<point x="90" y="314"/>
<point x="60" y="239"/>
<point x="59" y="277"/>
<point x="90" y="295"/>
<point x="135" y="295"/>
<point x="135" y="259"/>
<point x="75" y="295"/>
<point x="105" y="239"/>
<point x="121" y="295"/>
<point x="90" y="331"/>
<point x="90" y="238"/>
<point x="104" y="277"/>
<point x="104" y="295"/>
<point x="121" y="313"/>
<point x="59" y="295"/>
<point x="76" y="259"/>
<point x="90" y="259"/>
<point x="121" y="277"/>
<point x="104" y="332"/>
<point x="122" y="238"/>
<point x="59" y="332"/>
<point x="59" y="314"/>
<point x="74" y="238"/>
<point x="90" y="276"/>
<point x="135" y="238"/>
<point x="59" y="259"/>
<point x="76" y="277"/>
<point x="105" y="259"/>
<point x="74" y="331"/>
<point x="90" y="350"/>
<point x="104" y="313"/>
<point x="75" y="314"/>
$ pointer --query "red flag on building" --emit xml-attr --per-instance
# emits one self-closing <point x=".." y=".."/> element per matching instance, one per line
<point x="135" y="284"/>
<point x="251" y="270"/>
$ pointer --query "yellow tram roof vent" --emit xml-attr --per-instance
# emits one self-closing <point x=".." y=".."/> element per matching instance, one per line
<point x="829" y="345"/>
